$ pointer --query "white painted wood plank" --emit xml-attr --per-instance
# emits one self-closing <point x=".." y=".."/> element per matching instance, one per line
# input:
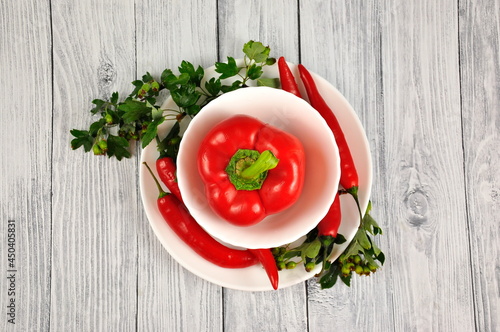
<point x="341" y="42"/>
<point x="429" y="260"/>
<point x="480" y="70"/>
<point x="26" y="113"/>
<point x="275" y="24"/>
<point x="412" y="119"/>
<point x="170" y="297"/>
<point x="95" y="209"/>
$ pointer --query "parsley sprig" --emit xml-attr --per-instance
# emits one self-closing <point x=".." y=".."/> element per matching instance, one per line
<point x="362" y="256"/>
<point x="138" y="115"/>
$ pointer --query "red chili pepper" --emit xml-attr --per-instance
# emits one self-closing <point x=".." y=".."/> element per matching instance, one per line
<point x="329" y="225"/>
<point x="183" y="224"/>
<point x="166" y="169"/>
<point x="236" y="161"/>
<point x="287" y="79"/>
<point x="349" y="175"/>
<point x="266" y="258"/>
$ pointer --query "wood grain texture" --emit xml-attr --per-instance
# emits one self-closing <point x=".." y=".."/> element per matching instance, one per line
<point x="239" y="22"/>
<point x="273" y="23"/>
<point x="429" y="257"/>
<point x="95" y="210"/>
<point x="26" y="112"/>
<point x="480" y="72"/>
<point x="344" y="46"/>
<point x="170" y="297"/>
<point x="421" y="75"/>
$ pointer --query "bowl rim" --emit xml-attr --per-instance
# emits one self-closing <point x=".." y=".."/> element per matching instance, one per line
<point x="233" y="235"/>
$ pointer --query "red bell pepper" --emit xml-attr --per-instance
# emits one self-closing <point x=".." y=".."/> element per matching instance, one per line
<point x="250" y="169"/>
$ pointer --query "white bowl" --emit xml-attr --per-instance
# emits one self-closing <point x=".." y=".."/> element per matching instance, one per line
<point x="286" y="112"/>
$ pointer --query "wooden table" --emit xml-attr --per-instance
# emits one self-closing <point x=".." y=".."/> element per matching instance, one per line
<point x="423" y="76"/>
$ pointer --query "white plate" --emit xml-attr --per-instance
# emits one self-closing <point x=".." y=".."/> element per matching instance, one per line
<point x="254" y="278"/>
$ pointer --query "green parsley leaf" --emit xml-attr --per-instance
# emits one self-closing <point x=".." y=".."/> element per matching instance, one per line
<point x="270" y="61"/>
<point x="256" y="51"/>
<point x="185" y="95"/>
<point x="173" y="82"/>
<point x="195" y="76"/>
<point x="254" y="72"/>
<point x="228" y="88"/>
<point x="270" y="82"/>
<point x="213" y="86"/>
<point x="228" y="69"/>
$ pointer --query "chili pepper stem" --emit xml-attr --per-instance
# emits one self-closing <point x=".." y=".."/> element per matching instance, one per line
<point x="162" y="193"/>
<point x="353" y="191"/>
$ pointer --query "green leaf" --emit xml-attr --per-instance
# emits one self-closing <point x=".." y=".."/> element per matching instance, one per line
<point x="312" y="249"/>
<point x="118" y="147"/>
<point x="95" y="127"/>
<point x="340" y="239"/>
<point x="381" y="258"/>
<point x="99" y="105"/>
<point x="114" y="98"/>
<point x="134" y="110"/>
<point x="254" y="71"/>
<point x="375" y="248"/>
<point x="352" y="249"/>
<point x="173" y="82"/>
<point x="151" y="131"/>
<point x="193" y="109"/>
<point x="195" y="75"/>
<point x="213" y="86"/>
<point x="185" y="95"/>
<point x="270" y="61"/>
<point x="169" y="146"/>
<point x="82" y="138"/>
<point x="346" y="279"/>
<point x="147" y="78"/>
<point x="256" y="51"/>
<point x="165" y="75"/>
<point x="369" y="258"/>
<point x="138" y="84"/>
<point x="270" y="82"/>
<point x="228" y="88"/>
<point x="228" y="69"/>
<point x="362" y="238"/>
<point x="291" y="254"/>
<point x="329" y="279"/>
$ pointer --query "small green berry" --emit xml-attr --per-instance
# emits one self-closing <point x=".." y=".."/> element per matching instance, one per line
<point x="97" y="150"/>
<point x="103" y="145"/>
<point x="310" y="266"/>
<point x="281" y="266"/>
<point x="358" y="269"/>
<point x="345" y="271"/>
<point x="291" y="265"/>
